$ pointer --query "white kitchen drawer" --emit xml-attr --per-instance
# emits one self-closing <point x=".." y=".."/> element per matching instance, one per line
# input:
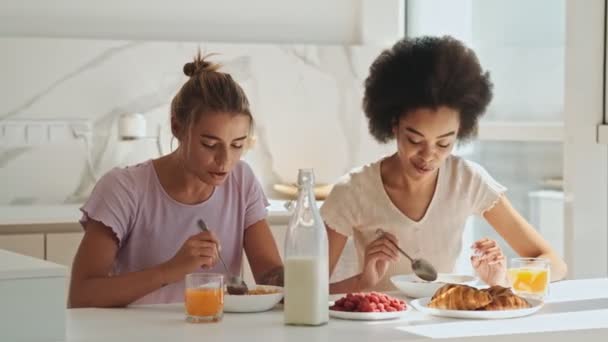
<point x="26" y="244"/>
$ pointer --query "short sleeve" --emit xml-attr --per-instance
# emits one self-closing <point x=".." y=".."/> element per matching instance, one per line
<point x="340" y="210"/>
<point x="256" y="202"/>
<point x="113" y="203"/>
<point x="484" y="190"/>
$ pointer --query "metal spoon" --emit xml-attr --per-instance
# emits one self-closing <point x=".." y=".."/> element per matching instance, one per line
<point x="235" y="285"/>
<point x="422" y="268"/>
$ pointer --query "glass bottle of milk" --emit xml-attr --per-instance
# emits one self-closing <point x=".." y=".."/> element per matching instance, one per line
<point x="306" y="260"/>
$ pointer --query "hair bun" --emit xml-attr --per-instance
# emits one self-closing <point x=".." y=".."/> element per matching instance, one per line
<point x="199" y="65"/>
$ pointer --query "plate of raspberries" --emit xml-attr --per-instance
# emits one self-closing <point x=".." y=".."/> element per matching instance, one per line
<point x="368" y="306"/>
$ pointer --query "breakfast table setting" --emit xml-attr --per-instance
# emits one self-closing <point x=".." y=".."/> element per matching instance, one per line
<point x="421" y="305"/>
<point x="572" y="309"/>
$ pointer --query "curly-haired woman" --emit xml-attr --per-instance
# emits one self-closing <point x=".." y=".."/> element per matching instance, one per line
<point x="428" y="94"/>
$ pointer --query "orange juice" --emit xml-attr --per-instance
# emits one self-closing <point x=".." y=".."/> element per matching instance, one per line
<point x="204" y="302"/>
<point x="529" y="280"/>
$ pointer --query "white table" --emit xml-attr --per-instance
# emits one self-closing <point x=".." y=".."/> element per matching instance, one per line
<point x="575" y="310"/>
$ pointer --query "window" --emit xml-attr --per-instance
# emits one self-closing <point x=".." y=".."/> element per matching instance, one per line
<point x="522" y="44"/>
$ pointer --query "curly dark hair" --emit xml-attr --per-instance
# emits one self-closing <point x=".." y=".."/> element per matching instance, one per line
<point x="425" y="72"/>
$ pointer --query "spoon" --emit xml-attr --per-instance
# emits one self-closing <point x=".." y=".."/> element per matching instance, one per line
<point x="235" y="285"/>
<point x="422" y="268"/>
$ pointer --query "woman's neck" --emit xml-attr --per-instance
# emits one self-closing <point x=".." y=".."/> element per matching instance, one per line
<point x="181" y="184"/>
<point x="398" y="178"/>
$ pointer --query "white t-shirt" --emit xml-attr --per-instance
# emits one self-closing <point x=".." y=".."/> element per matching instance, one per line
<point x="358" y="205"/>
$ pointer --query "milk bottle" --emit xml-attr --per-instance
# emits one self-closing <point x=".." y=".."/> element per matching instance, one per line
<point x="306" y="260"/>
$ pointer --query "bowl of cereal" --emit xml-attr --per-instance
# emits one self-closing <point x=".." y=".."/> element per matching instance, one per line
<point x="260" y="298"/>
<point x="414" y="287"/>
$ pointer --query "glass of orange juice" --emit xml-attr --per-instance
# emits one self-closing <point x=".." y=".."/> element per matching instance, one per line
<point x="204" y="297"/>
<point x="529" y="277"/>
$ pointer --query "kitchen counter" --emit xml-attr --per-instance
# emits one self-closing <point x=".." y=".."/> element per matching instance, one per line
<point x="575" y="310"/>
<point x="16" y="266"/>
<point x="25" y="219"/>
<point x="31" y="290"/>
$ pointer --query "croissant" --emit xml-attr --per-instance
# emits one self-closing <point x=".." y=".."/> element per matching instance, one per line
<point x="506" y="302"/>
<point x="504" y="299"/>
<point x="442" y="290"/>
<point x="462" y="297"/>
<point x="459" y="297"/>
<point x="498" y="290"/>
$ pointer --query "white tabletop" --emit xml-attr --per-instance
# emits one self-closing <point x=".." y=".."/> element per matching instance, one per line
<point x="17" y="266"/>
<point x="574" y="310"/>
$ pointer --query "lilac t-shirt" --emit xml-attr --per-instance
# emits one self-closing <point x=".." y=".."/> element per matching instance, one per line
<point x="151" y="226"/>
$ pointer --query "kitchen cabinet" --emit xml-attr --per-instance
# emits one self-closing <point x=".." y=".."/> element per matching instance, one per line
<point x="61" y="247"/>
<point x="26" y="244"/>
<point x="33" y="299"/>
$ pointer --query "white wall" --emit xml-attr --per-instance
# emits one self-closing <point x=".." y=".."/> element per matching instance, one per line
<point x="126" y="26"/>
<point x="277" y="21"/>
<point x="99" y="80"/>
<point x="585" y="161"/>
<point x="440" y="17"/>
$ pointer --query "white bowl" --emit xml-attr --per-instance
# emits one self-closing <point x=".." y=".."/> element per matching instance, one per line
<point x="415" y="287"/>
<point x="253" y="303"/>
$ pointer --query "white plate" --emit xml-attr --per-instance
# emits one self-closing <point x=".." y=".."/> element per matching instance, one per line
<point x="369" y="316"/>
<point x="414" y="287"/>
<point x="253" y="303"/>
<point x="421" y="305"/>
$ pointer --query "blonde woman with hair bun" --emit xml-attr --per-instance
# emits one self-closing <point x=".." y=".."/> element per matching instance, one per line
<point x="140" y="222"/>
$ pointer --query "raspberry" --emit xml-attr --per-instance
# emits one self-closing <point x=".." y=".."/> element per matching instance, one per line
<point x="349" y="306"/>
<point x="374" y="299"/>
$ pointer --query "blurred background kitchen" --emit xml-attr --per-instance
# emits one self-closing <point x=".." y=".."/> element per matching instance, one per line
<point x="86" y="87"/>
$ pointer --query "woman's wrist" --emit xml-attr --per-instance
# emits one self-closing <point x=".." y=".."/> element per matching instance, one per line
<point x="166" y="274"/>
<point x="360" y="284"/>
